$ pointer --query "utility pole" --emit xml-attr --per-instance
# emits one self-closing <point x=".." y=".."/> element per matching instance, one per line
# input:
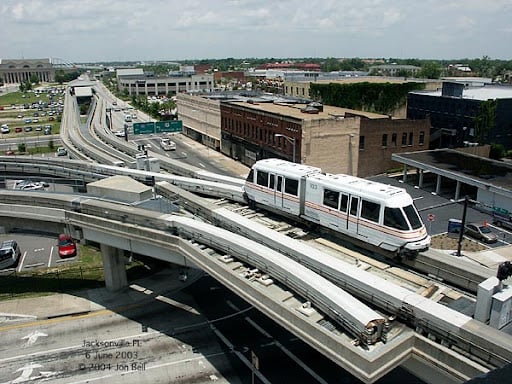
<point x="462" y="225"/>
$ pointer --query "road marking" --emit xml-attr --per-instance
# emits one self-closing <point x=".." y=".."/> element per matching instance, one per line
<point x="202" y="165"/>
<point x="32" y="337"/>
<point x="50" y="259"/>
<point x="21" y="261"/>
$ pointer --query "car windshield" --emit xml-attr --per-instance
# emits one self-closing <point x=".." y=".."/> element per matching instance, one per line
<point x="65" y="242"/>
<point x="485" y="229"/>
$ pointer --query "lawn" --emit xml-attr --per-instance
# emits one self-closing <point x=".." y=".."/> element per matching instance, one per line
<point x="85" y="273"/>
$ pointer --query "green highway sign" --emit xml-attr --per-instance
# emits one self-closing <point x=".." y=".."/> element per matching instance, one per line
<point x="168" y="126"/>
<point x="143" y="128"/>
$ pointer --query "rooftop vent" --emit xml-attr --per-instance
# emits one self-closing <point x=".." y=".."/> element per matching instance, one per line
<point x="309" y="109"/>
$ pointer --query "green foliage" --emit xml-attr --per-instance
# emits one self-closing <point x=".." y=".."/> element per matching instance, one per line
<point x="374" y="97"/>
<point x="485" y="120"/>
<point x="64" y="77"/>
<point x="497" y="151"/>
<point x="22" y="147"/>
<point x="430" y="70"/>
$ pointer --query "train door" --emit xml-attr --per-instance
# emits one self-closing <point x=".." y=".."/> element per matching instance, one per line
<point x="353" y="215"/>
<point x="276" y="183"/>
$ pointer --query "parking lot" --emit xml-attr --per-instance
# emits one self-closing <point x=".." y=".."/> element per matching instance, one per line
<point x="37" y="251"/>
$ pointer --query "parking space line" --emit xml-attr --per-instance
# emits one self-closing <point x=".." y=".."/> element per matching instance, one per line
<point x="21" y="261"/>
<point x="50" y="259"/>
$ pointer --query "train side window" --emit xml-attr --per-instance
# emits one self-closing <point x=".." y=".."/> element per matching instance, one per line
<point x="279" y="183"/>
<point x="291" y="186"/>
<point x="394" y="218"/>
<point x="354" y="203"/>
<point x="370" y="210"/>
<point x="344" y="203"/>
<point x="272" y="181"/>
<point x="262" y="178"/>
<point x="331" y="198"/>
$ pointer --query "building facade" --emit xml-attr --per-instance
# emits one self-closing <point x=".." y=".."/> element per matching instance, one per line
<point x="19" y="71"/>
<point x="460" y="115"/>
<point x="201" y="118"/>
<point x="146" y="85"/>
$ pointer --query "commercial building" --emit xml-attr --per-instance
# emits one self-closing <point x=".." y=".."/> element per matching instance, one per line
<point x="147" y="84"/>
<point x="463" y="114"/>
<point x="17" y="71"/>
<point x="336" y="139"/>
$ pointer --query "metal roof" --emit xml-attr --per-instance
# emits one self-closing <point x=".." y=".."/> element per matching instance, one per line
<point x="493" y="175"/>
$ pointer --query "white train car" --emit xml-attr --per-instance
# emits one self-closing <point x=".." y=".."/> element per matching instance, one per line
<point x="372" y="213"/>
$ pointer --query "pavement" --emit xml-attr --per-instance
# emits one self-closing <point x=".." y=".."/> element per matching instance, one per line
<point x="161" y="283"/>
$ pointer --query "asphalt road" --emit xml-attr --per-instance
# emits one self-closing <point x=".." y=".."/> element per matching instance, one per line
<point x="147" y="342"/>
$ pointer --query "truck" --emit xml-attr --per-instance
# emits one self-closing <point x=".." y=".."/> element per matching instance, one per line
<point x="167" y="144"/>
<point x="502" y="218"/>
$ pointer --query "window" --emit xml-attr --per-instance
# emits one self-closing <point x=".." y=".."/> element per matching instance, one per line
<point x="422" y="138"/>
<point x="272" y="181"/>
<point x="262" y="178"/>
<point x="344" y="203"/>
<point x="354" y="202"/>
<point x="370" y="210"/>
<point x="250" y="177"/>
<point x="385" y="140"/>
<point x="413" y="217"/>
<point x="393" y="139"/>
<point x="361" y="143"/>
<point x="291" y="186"/>
<point x="331" y="198"/>
<point x="404" y="138"/>
<point x="410" y="138"/>
<point x="394" y="218"/>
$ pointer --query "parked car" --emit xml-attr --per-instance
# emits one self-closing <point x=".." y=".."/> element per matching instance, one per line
<point x="28" y="128"/>
<point x="481" y="232"/>
<point x="47" y="130"/>
<point x="9" y="253"/>
<point x="5" y="129"/>
<point x="66" y="245"/>
<point x="18" y="129"/>
<point x="61" y="151"/>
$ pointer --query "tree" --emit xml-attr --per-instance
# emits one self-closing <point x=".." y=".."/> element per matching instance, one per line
<point x="430" y="70"/>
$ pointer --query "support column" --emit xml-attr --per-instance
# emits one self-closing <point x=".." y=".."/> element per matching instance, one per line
<point x="438" y="184"/>
<point x="404" y="178"/>
<point x="457" y="190"/>
<point x="420" y="179"/>
<point x="114" y="268"/>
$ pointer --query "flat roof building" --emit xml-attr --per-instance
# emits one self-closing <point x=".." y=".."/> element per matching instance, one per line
<point x="461" y="114"/>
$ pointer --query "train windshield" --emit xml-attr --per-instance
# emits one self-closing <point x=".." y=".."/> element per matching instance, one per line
<point x="250" y="177"/>
<point x="413" y="217"/>
<point x="394" y="218"/>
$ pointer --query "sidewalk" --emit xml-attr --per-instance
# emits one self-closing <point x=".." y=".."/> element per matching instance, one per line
<point x="91" y="300"/>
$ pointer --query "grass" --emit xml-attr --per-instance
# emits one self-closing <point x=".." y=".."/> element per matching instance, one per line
<point x="85" y="273"/>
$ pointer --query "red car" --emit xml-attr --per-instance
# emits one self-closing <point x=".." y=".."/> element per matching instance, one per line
<point x="67" y="246"/>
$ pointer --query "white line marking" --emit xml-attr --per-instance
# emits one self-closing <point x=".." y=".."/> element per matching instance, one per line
<point x="21" y="261"/>
<point x="202" y="165"/>
<point x="50" y="259"/>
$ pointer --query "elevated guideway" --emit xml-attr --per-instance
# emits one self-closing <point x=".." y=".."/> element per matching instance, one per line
<point x="189" y="242"/>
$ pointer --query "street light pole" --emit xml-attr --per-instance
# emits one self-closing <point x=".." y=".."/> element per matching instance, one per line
<point x="291" y="140"/>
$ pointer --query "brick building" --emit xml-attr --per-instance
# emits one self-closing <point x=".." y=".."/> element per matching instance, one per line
<point x="338" y="140"/>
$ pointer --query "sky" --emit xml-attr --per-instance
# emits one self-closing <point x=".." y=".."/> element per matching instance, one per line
<point x="141" y="30"/>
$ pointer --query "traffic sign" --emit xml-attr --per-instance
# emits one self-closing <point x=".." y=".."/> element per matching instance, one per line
<point x="169" y="126"/>
<point x="431" y="217"/>
<point x="143" y="128"/>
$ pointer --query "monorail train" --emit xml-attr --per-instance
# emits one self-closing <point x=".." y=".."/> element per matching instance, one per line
<point x="370" y="212"/>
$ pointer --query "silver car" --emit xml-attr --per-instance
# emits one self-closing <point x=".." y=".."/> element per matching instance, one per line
<point x="481" y="232"/>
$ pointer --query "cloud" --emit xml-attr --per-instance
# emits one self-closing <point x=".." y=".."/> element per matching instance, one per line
<point x="134" y="29"/>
